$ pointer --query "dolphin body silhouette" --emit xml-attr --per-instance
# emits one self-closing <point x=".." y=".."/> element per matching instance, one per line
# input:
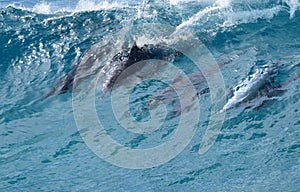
<point x="250" y="87"/>
<point x="136" y="56"/>
<point x="257" y="85"/>
<point x="124" y="59"/>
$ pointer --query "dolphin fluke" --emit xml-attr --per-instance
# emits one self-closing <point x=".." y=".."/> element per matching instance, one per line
<point x="62" y="85"/>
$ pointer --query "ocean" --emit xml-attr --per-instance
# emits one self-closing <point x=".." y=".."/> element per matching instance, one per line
<point x="215" y="109"/>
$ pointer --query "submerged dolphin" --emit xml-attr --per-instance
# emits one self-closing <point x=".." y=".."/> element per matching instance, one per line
<point x="123" y="60"/>
<point x="257" y="85"/>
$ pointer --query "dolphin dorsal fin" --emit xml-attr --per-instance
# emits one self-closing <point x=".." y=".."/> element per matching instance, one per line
<point x="134" y="52"/>
<point x="134" y="47"/>
<point x="134" y="44"/>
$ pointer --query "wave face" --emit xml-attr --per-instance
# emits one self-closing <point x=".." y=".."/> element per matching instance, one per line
<point x="257" y="148"/>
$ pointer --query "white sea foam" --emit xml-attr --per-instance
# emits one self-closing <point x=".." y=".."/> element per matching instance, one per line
<point x="233" y="12"/>
<point x="294" y="6"/>
<point x="89" y="5"/>
<point x="82" y="5"/>
<point x="218" y="5"/>
<point x="204" y="2"/>
<point x="43" y="8"/>
<point x="250" y="16"/>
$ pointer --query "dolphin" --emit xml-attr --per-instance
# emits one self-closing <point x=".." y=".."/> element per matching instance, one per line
<point x="248" y="88"/>
<point x="136" y="55"/>
<point x="257" y="85"/>
<point x="111" y="71"/>
<point x="197" y="79"/>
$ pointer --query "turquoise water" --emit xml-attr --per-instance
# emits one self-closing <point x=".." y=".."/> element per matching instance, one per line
<point x="258" y="146"/>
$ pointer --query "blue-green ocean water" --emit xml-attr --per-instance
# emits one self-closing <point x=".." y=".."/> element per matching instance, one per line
<point x="258" y="148"/>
